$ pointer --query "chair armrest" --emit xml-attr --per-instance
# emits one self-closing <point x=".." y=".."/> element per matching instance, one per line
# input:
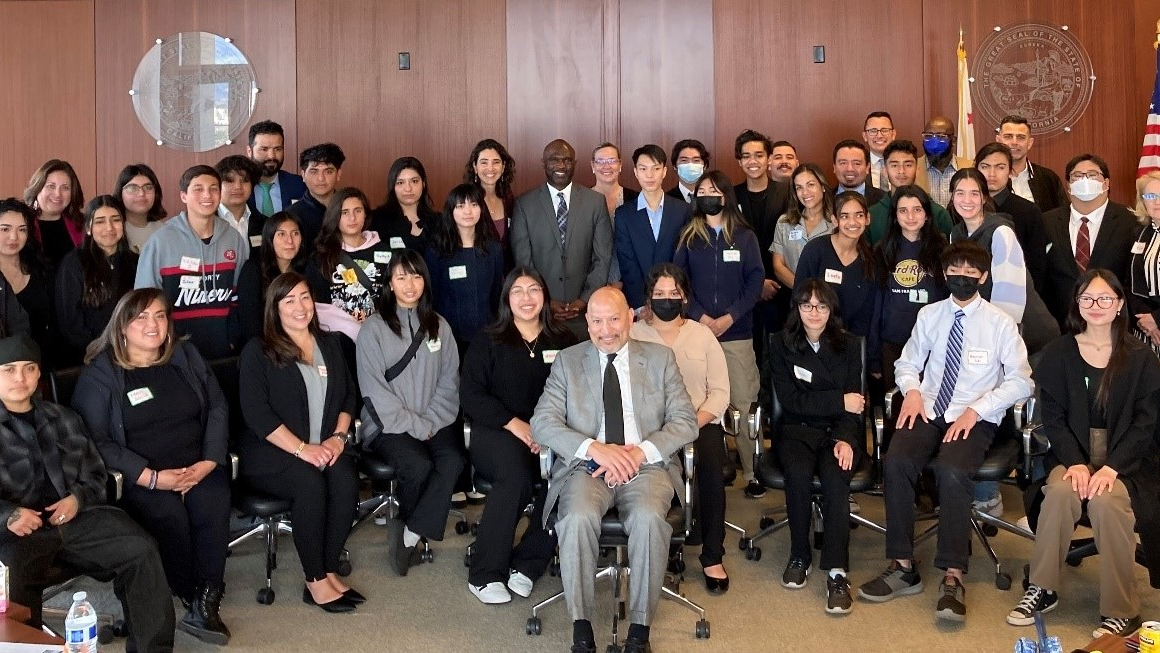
<point x="689" y="458"/>
<point x="731" y="420"/>
<point x="546" y="460"/>
<point x="116" y="485"/>
<point x="1022" y="412"/>
<point x="467" y="433"/>
<point x="234" y="464"/>
<point x="889" y="401"/>
<point x="879" y="430"/>
<point x="756" y="423"/>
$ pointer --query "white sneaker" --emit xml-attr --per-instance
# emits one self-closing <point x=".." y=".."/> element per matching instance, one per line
<point x="459" y="499"/>
<point x="519" y="583"/>
<point x="1023" y="523"/>
<point x="992" y="507"/>
<point x="491" y="594"/>
<point x="381" y="520"/>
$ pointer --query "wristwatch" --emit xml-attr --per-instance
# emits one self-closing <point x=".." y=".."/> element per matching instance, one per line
<point x="346" y="436"/>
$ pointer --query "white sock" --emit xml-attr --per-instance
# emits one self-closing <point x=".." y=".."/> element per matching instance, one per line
<point x="837" y="571"/>
<point x="410" y="539"/>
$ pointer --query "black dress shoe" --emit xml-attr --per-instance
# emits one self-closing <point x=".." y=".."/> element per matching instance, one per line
<point x="583" y="647"/>
<point x="354" y="596"/>
<point x="341" y="604"/>
<point x="634" y="645"/>
<point x="398" y="554"/>
<point x="716" y="586"/>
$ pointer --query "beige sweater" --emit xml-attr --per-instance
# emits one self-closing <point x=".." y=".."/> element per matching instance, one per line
<point x="701" y="361"/>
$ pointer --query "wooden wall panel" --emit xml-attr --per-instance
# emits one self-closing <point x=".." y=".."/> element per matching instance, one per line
<point x="126" y="29"/>
<point x="765" y="78"/>
<point x="351" y="92"/>
<point x="47" y="50"/>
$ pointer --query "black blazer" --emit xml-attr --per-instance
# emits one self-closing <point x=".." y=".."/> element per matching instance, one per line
<point x="1028" y="222"/>
<point x="292" y="187"/>
<point x="765" y="225"/>
<point x="675" y="193"/>
<point x="1133" y="413"/>
<point x="817" y="402"/>
<point x="873" y="195"/>
<point x="637" y="252"/>
<point x="1046" y="188"/>
<point x="1112" y="250"/>
<point x="275" y="396"/>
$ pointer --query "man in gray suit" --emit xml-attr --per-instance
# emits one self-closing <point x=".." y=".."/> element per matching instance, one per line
<point x="563" y="231"/>
<point x="616" y="413"/>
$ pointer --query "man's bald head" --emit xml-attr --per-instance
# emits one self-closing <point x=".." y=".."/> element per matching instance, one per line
<point x="940" y="125"/>
<point x="559" y="163"/>
<point x="609" y="319"/>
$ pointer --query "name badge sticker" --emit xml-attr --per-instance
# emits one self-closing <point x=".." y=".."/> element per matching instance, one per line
<point x="797" y="233"/>
<point x="190" y="264"/>
<point x="919" y="296"/>
<point x="550" y="355"/>
<point x="397" y="243"/>
<point x="139" y="396"/>
<point x="322" y="371"/>
<point x="189" y="282"/>
<point x="434" y="345"/>
<point x="833" y="276"/>
<point x="731" y="255"/>
<point x="457" y="271"/>
<point x="382" y="258"/>
<point x="803" y="374"/>
<point x="1137" y="248"/>
<point x="978" y="357"/>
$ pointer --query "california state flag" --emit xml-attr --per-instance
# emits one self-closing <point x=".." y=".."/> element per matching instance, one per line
<point x="965" y="145"/>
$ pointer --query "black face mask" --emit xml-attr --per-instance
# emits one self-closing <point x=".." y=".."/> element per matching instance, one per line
<point x="667" y="310"/>
<point x="709" y="204"/>
<point x="962" y="286"/>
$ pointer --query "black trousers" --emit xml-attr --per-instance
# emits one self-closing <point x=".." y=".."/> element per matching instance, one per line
<point x="804" y="451"/>
<point x="427" y="473"/>
<point x="512" y="469"/>
<point x="323" y="505"/>
<point x="192" y="531"/>
<point x="954" y="463"/>
<point x="709" y="502"/>
<point x="99" y="540"/>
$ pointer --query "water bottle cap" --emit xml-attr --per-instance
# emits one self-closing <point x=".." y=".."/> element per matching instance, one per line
<point x="80" y="596"/>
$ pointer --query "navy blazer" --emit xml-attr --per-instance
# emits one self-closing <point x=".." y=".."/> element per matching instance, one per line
<point x="637" y="252"/>
<point x="292" y="187"/>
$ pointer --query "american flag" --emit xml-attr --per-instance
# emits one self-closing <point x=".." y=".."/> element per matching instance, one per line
<point x="1150" y="151"/>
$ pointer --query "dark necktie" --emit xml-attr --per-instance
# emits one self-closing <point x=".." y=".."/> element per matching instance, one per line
<point x="562" y="217"/>
<point x="613" y="411"/>
<point x="1083" y="246"/>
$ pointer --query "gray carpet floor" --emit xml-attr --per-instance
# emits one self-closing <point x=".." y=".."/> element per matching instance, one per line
<point x="431" y="609"/>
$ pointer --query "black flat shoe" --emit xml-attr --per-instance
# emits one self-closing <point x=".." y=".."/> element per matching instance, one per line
<point x="341" y="604"/>
<point x="354" y="596"/>
<point x="716" y="586"/>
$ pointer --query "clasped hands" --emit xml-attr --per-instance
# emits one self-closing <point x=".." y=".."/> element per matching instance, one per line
<point x="323" y="455"/>
<point x="182" y="480"/>
<point x="1086" y="484"/>
<point x="617" y="463"/>
<point x="565" y="311"/>
<point x="23" y="521"/>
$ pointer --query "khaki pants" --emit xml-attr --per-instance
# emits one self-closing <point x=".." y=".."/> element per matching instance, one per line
<point x="743" y="386"/>
<point x="1113" y="527"/>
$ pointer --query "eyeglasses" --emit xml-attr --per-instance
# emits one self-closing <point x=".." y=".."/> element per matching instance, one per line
<point x="1103" y="301"/>
<point x="934" y="135"/>
<point x="605" y="162"/>
<point x="134" y="189"/>
<point x="1095" y="175"/>
<point x="1150" y="197"/>
<point x="807" y="308"/>
<point x="879" y="131"/>
<point x="531" y="290"/>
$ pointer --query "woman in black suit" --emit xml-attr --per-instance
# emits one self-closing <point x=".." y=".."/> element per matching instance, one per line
<point x="816" y="370"/>
<point x="298" y="405"/>
<point x="1099" y="392"/>
<point x="503" y="376"/>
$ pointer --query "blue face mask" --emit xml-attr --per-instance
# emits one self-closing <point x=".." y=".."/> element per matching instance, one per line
<point x="936" y="145"/>
<point x="690" y="172"/>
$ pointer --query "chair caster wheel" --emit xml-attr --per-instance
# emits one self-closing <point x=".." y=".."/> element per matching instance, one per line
<point x="612" y="648"/>
<point x="1003" y="581"/>
<point x="744" y="543"/>
<point x="554" y="570"/>
<point x="474" y="528"/>
<point x="106" y="634"/>
<point x="265" y="596"/>
<point x="462" y="528"/>
<point x="1074" y="563"/>
<point x="753" y="553"/>
<point x="533" y="626"/>
<point x="989" y="530"/>
<point x="702" y="631"/>
<point x="119" y="629"/>
<point x="765" y="523"/>
<point x="428" y="556"/>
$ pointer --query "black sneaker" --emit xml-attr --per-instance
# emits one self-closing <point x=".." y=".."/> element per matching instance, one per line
<point x="1035" y="599"/>
<point x="838" y="600"/>
<point x="952" y="604"/>
<point x="754" y="490"/>
<point x="1118" y="626"/>
<point x="892" y="583"/>
<point x="796" y="573"/>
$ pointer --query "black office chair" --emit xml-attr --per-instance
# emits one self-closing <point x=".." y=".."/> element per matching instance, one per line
<point x="482" y="484"/>
<point x="614" y="538"/>
<point x="768" y="419"/>
<point x="1010" y="452"/>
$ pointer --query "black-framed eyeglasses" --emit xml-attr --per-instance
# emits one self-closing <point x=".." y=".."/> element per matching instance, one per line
<point x="1103" y="301"/>
<point x="879" y="131"/>
<point x="934" y="135"/>
<point x="806" y="307"/>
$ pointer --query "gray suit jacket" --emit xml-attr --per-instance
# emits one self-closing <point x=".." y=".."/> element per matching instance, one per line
<point x="571" y="409"/>
<point x="582" y="267"/>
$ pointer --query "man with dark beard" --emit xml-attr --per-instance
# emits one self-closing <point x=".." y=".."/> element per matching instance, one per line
<point x="277" y="188"/>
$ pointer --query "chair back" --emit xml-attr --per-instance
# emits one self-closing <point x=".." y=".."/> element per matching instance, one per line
<point x="225" y="370"/>
<point x="62" y="384"/>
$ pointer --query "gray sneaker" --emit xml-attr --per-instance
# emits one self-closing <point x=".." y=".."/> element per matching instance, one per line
<point x="952" y="604"/>
<point x="892" y="583"/>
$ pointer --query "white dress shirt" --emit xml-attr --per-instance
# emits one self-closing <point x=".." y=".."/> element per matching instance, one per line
<point x="631" y="431"/>
<point x="1095" y="219"/>
<point x="554" y="192"/>
<point x="1021" y="183"/>
<point x="994" y="372"/>
<point x="243" y="225"/>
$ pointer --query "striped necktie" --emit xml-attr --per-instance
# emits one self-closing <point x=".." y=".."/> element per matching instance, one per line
<point x="562" y="217"/>
<point x="954" y="361"/>
<point x="1083" y="246"/>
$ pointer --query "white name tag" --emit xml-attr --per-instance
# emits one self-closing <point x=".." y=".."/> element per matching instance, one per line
<point x="190" y="264"/>
<point x="797" y="233"/>
<point x="978" y="357"/>
<point x="550" y="355"/>
<point x="322" y="371"/>
<point x="189" y="283"/>
<point x="1138" y="248"/>
<point x="434" y="346"/>
<point x="731" y="255"/>
<point x="256" y="241"/>
<point x="382" y="258"/>
<point x="397" y="243"/>
<point x="140" y="395"/>
<point x="919" y="296"/>
<point x="803" y="374"/>
<point x="833" y="276"/>
<point x="457" y="271"/>
<point x="1049" y="247"/>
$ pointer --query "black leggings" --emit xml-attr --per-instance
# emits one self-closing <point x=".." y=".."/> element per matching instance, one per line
<point x="710" y="499"/>
<point x="427" y="472"/>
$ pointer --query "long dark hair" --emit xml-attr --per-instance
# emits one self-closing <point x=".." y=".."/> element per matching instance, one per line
<point x="503" y="330"/>
<point x="157" y="211"/>
<point x="445" y="235"/>
<point x="731" y="218"/>
<point x="31" y="255"/>
<point x="268" y="268"/>
<point x="795" y="330"/>
<point x="72" y="212"/>
<point x="329" y="242"/>
<point x="864" y="250"/>
<point x="797" y="211"/>
<point x="105" y="277"/>
<point x="391" y="208"/>
<point x="672" y="271"/>
<point x="410" y="262"/>
<point x="1122" y="340"/>
<point x="276" y="344"/>
<point x="977" y="177"/>
<point x="503" y="186"/>
<point x="931" y="241"/>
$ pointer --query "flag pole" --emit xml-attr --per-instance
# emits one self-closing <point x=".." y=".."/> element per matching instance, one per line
<point x="1155" y="44"/>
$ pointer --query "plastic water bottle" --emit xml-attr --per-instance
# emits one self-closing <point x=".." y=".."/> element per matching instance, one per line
<point x="3" y="588"/>
<point x="80" y="626"/>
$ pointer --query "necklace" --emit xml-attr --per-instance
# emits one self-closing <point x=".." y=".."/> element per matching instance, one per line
<point x="531" y="347"/>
